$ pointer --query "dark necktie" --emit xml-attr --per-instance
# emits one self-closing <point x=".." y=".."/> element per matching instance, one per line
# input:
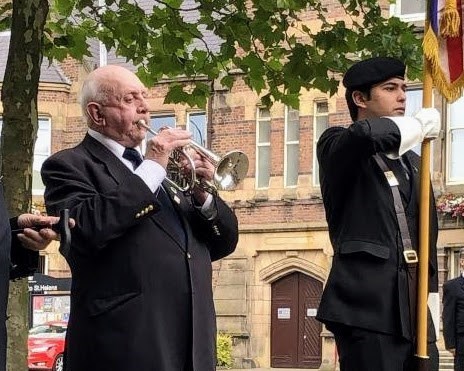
<point x="405" y="168"/>
<point x="133" y="156"/>
<point x="171" y="215"/>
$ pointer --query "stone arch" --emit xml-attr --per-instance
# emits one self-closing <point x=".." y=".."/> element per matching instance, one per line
<point x="282" y="267"/>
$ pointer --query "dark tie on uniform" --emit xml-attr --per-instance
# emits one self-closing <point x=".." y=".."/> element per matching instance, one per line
<point x="133" y="156"/>
<point x="407" y="173"/>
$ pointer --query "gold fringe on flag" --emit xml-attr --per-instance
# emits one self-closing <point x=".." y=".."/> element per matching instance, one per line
<point x="450" y="90"/>
<point x="450" y="23"/>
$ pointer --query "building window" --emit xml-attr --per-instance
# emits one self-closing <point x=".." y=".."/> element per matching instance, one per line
<point x="161" y="120"/>
<point x="263" y="148"/>
<point x="414" y="104"/>
<point x="292" y="146"/>
<point x="454" y="268"/>
<point x="409" y="10"/>
<point x="321" y="122"/>
<point x="455" y="142"/>
<point x="197" y="125"/>
<point x="42" y="151"/>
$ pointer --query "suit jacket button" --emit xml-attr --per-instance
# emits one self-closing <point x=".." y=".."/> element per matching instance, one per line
<point x="137" y="215"/>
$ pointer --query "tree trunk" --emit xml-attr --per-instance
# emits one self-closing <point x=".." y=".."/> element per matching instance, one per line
<point x="19" y="97"/>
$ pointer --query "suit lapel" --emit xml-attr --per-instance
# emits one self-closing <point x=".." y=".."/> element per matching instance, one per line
<point x="116" y="169"/>
<point x="179" y="203"/>
<point x="182" y="204"/>
<point x="119" y="172"/>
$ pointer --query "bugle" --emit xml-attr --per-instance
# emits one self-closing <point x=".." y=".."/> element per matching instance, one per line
<point x="229" y="170"/>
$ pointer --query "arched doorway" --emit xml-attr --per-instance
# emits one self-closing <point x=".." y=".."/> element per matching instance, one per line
<point x="295" y="332"/>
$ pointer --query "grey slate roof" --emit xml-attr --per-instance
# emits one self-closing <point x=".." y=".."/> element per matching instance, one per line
<point x="51" y="74"/>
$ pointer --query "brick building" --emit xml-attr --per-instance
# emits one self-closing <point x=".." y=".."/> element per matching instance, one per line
<point x="267" y="292"/>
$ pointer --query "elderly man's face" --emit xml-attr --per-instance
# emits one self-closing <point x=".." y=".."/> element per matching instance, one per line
<point x="125" y="104"/>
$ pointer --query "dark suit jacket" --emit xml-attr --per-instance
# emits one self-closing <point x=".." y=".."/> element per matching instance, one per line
<point x="15" y="262"/>
<point x="5" y="245"/>
<point x="136" y="299"/>
<point x="453" y="312"/>
<point x="367" y="286"/>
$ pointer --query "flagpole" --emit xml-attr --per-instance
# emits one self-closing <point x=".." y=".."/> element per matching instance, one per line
<point x="424" y="216"/>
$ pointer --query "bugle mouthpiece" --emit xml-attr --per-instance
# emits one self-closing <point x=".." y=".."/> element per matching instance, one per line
<point x="142" y="123"/>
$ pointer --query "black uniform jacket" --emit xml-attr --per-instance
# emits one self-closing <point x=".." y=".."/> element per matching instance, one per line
<point x="15" y="262"/>
<point x="137" y="296"/>
<point x="453" y="312"/>
<point x="367" y="286"/>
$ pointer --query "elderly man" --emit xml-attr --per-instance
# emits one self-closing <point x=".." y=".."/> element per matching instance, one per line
<point x="141" y="296"/>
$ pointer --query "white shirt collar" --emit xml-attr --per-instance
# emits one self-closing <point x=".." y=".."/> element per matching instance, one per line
<point x="116" y="148"/>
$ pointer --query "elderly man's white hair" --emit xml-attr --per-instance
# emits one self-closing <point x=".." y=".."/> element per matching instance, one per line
<point x="96" y="88"/>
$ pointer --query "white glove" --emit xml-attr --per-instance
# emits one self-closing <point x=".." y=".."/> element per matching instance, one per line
<point x="430" y="120"/>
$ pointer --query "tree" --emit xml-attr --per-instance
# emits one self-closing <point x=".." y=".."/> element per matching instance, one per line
<point x="19" y="97"/>
<point x="267" y="41"/>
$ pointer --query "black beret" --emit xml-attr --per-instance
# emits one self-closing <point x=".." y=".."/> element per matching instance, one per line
<point x="373" y="71"/>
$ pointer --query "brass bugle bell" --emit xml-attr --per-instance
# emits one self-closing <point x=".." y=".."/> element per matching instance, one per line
<point x="229" y="170"/>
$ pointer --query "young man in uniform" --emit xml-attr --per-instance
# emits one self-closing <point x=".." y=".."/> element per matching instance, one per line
<point x="369" y="300"/>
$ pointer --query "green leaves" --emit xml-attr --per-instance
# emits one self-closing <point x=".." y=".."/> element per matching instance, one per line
<point x="65" y="7"/>
<point x="178" y="93"/>
<point x="274" y="43"/>
<point x="5" y="19"/>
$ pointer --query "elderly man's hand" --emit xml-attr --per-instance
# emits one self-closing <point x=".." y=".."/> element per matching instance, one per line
<point x="38" y="232"/>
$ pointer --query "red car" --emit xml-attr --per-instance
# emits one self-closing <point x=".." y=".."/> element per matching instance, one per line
<point x="46" y="345"/>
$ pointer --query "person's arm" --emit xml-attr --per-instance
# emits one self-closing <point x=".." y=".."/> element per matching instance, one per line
<point x="24" y="262"/>
<point x="27" y="242"/>
<point x="220" y="233"/>
<point x="340" y="151"/>
<point x="100" y="216"/>
<point x="425" y="124"/>
<point x="449" y="316"/>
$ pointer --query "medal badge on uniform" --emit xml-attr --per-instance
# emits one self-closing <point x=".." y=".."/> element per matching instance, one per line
<point x="391" y="178"/>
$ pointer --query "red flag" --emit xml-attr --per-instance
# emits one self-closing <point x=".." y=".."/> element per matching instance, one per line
<point x="443" y="47"/>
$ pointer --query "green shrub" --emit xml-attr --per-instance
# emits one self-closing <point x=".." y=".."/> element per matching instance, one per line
<point x="224" y="350"/>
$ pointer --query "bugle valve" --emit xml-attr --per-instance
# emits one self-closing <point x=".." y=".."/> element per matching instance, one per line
<point x="229" y="170"/>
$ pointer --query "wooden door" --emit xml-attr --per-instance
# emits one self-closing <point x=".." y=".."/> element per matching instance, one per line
<point x="295" y="333"/>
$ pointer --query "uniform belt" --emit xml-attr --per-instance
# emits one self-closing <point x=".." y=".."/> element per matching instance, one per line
<point x="409" y="254"/>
